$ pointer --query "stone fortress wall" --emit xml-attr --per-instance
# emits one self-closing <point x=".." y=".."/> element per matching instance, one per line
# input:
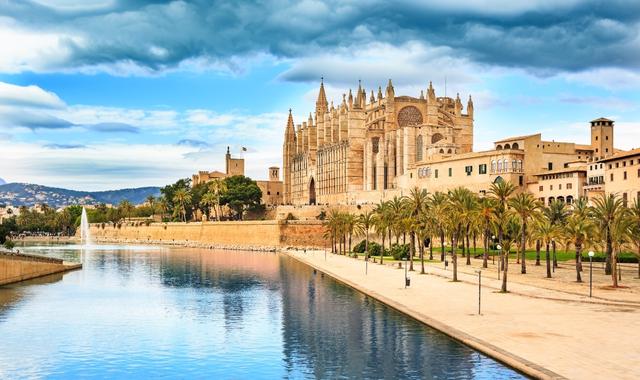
<point x="16" y="268"/>
<point x="269" y="234"/>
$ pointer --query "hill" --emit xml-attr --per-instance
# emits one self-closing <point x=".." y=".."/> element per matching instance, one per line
<point x="26" y="194"/>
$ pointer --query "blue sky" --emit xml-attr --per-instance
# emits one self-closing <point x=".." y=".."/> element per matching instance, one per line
<point x="103" y="94"/>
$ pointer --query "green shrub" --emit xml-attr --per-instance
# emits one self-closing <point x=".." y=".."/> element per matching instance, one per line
<point x="9" y="244"/>
<point x="399" y="251"/>
<point x="374" y="248"/>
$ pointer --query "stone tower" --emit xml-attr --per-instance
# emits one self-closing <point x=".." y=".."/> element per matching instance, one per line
<point x="288" y="151"/>
<point x="602" y="138"/>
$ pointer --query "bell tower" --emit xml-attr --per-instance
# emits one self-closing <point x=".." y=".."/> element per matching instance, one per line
<point x="602" y="138"/>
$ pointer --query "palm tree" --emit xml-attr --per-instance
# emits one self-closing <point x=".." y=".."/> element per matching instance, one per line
<point x="510" y="236"/>
<point x="557" y="214"/>
<point x="365" y="223"/>
<point x="380" y="224"/>
<point x="486" y="214"/>
<point x="162" y="205"/>
<point x="456" y="211"/>
<point x="208" y="201"/>
<point x="469" y="212"/>
<point x="424" y="227"/>
<point x="606" y="211"/>
<point x="634" y="216"/>
<point x="151" y="200"/>
<point x="501" y="191"/>
<point x="579" y="229"/>
<point x="217" y="187"/>
<point x="438" y="204"/>
<point x="620" y="231"/>
<point x="547" y="233"/>
<point x="414" y="205"/>
<point x="526" y="207"/>
<point x="125" y="207"/>
<point x="332" y="224"/>
<point x="350" y="227"/>
<point x="182" y="198"/>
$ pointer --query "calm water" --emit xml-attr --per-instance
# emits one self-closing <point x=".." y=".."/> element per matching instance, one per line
<point x="157" y="313"/>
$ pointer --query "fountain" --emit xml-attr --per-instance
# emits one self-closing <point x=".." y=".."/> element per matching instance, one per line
<point x="85" y="234"/>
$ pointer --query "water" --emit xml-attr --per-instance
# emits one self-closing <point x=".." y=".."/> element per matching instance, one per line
<point x="85" y="232"/>
<point x="150" y="312"/>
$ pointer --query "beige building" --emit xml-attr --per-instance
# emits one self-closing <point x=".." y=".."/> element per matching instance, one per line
<point x="272" y="188"/>
<point x="622" y="175"/>
<point x="365" y="151"/>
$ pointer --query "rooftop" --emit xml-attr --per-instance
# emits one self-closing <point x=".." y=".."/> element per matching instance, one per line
<point x="632" y="152"/>
<point x="563" y="170"/>
<point x="517" y="138"/>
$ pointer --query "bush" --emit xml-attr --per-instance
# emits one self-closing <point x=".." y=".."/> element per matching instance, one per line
<point x="290" y="216"/>
<point x="374" y="248"/>
<point x="322" y="215"/>
<point x="399" y="251"/>
<point x="9" y="244"/>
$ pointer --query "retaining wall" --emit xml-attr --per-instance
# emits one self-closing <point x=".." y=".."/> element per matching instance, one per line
<point x="15" y="268"/>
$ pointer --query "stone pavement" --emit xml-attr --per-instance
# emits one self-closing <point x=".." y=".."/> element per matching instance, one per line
<point x="542" y="332"/>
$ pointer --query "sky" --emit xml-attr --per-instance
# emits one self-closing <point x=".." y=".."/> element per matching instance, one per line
<point x="108" y="94"/>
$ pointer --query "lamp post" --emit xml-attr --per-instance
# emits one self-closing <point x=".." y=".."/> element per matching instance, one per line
<point x="499" y="247"/>
<point x="493" y="239"/>
<point x="406" y="276"/>
<point x="590" y="272"/>
<point x="445" y="262"/>
<point x="479" y="272"/>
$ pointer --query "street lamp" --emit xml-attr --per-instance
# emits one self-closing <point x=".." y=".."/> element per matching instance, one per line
<point x="590" y="272"/>
<point x="407" y="282"/>
<point x="445" y="262"/>
<point x="499" y="247"/>
<point x="479" y="272"/>
<point x="493" y="239"/>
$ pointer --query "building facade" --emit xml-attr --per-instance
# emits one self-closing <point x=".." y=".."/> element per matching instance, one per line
<point x="272" y="188"/>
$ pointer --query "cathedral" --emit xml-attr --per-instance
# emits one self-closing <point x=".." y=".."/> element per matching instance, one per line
<point x="367" y="147"/>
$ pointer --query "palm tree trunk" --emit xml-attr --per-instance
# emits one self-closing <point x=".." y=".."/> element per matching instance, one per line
<point x="382" y="249"/>
<point x="555" y="257"/>
<point x="412" y="250"/>
<point x="523" y="243"/>
<point x="366" y="246"/>
<point x="548" y="259"/>
<point x="431" y="253"/>
<point x="485" y="254"/>
<point x="349" y="243"/>
<point x="454" y="257"/>
<point x="607" y="268"/>
<point x="468" y="247"/>
<point x="614" y="269"/>
<point x="421" y="249"/>
<point x="578" y="254"/>
<point x="442" y="245"/>
<point x="504" y="275"/>
<point x="474" y="243"/>
<point x="538" y="252"/>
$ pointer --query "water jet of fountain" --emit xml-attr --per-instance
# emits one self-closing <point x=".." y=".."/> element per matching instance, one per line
<point x="85" y="235"/>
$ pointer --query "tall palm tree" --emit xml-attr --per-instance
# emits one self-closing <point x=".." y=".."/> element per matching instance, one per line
<point x="125" y="207"/>
<point x="456" y="212"/>
<point x="501" y="192"/>
<point x="486" y="215"/>
<point x="438" y="204"/>
<point x="381" y="224"/>
<point x="606" y="211"/>
<point x="217" y="187"/>
<point x="365" y="223"/>
<point x="162" y="206"/>
<point x="526" y="207"/>
<point x="557" y="213"/>
<point x="634" y="216"/>
<point x="151" y="200"/>
<point x="208" y="201"/>
<point x="414" y="206"/>
<point x="511" y="233"/>
<point x="579" y="228"/>
<point x="332" y="224"/>
<point x="620" y="231"/>
<point x="469" y="212"/>
<point x="547" y="233"/>
<point x="182" y="197"/>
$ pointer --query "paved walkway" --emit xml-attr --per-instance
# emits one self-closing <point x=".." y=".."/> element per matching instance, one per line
<point x="544" y="333"/>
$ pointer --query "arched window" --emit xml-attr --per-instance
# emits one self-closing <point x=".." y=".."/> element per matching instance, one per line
<point x="515" y="146"/>
<point x="551" y="199"/>
<point x="507" y="146"/>
<point x="498" y="147"/>
<point x="449" y="151"/>
<point x="506" y="165"/>
<point x="441" y="151"/>
<point x="561" y="199"/>
<point x="514" y="165"/>
<point x="520" y="165"/>
<point x="493" y="166"/>
<point x="569" y="199"/>
<point x="419" y="148"/>
<point x="499" y="165"/>
<point x="436" y="137"/>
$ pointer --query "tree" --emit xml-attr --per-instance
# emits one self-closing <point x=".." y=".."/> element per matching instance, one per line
<point x="366" y="222"/>
<point x="209" y="201"/>
<point x="438" y="204"/>
<point x="151" y="201"/>
<point x="634" y="216"/>
<point x="579" y="229"/>
<point x="350" y="223"/>
<point x="511" y="233"/>
<point x="557" y="214"/>
<point x="486" y="214"/>
<point x="181" y="199"/>
<point x="242" y="194"/>
<point x="217" y="188"/>
<point x="501" y="191"/>
<point x="125" y="208"/>
<point x="456" y="221"/>
<point x="547" y="233"/>
<point x="382" y="224"/>
<point x="169" y="191"/>
<point x="606" y="211"/>
<point x="526" y="207"/>
<point x="414" y="205"/>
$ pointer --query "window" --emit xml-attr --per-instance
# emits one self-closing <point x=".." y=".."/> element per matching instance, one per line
<point x="550" y="187"/>
<point x="617" y="164"/>
<point x="505" y="163"/>
<point x="610" y="166"/>
<point x="624" y="163"/>
<point x="450" y="172"/>
<point x="638" y="173"/>
<point x="611" y="177"/>
<point x="482" y="169"/>
<point x="540" y="188"/>
<point x="493" y="166"/>
<point x="624" y="175"/>
<point x="419" y="148"/>
<point x="268" y="193"/>
<point x="521" y="180"/>
<point x="499" y="165"/>
<point x="560" y="187"/>
<point x="625" y="201"/>
<point x="550" y="166"/>
<point x="436" y="173"/>
<point x="515" y="146"/>
<point x="468" y="169"/>
<point x="606" y="137"/>
<point x="596" y="138"/>
<point x="569" y="186"/>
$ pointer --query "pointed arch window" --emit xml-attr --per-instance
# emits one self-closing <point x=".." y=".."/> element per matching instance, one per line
<point x="493" y="166"/>
<point x="419" y="148"/>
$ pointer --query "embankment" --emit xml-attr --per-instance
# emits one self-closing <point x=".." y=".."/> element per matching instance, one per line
<point x="270" y="234"/>
<point x="18" y="267"/>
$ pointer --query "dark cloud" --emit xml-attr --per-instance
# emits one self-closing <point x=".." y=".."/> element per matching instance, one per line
<point x="193" y="143"/>
<point x="542" y="36"/>
<point x="32" y="120"/>
<point x="113" y="128"/>
<point x="64" y="146"/>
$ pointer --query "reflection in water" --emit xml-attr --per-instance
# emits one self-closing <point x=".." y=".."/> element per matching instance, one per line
<point x="206" y="314"/>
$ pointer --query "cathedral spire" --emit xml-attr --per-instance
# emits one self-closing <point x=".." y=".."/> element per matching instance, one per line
<point x="431" y="93"/>
<point x="470" y="107"/>
<point x="372" y="99"/>
<point x="379" y="93"/>
<point x="290" y="131"/>
<point x="321" y="103"/>
<point x="390" y="90"/>
<point x="350" y="99"/>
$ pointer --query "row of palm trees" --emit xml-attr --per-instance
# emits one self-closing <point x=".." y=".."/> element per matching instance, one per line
<point x="504" y="217"/>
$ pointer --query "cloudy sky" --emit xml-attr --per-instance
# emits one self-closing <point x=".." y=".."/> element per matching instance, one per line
<point x="103" y="94"/>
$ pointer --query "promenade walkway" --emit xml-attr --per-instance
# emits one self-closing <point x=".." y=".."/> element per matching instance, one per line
<point x="544" y="332"/>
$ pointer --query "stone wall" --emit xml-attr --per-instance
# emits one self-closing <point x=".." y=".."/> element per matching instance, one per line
<point x="15" y="268"/>
<point x="270" y="234"/>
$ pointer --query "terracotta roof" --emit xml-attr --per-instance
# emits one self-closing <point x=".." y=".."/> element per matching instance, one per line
<point x="516" y="138"/>
<point x="563" y="170"/>
<point x="633" y="152"/>
<point x="601" y="119"/>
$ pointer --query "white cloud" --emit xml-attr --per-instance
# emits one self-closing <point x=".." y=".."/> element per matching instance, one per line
<point x="608" y="78"/>
<point x="28" y="96"/>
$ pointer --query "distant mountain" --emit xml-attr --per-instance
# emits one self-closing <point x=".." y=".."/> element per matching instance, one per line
<point x="2" y="181"/>
<point x="26" y="194"/>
